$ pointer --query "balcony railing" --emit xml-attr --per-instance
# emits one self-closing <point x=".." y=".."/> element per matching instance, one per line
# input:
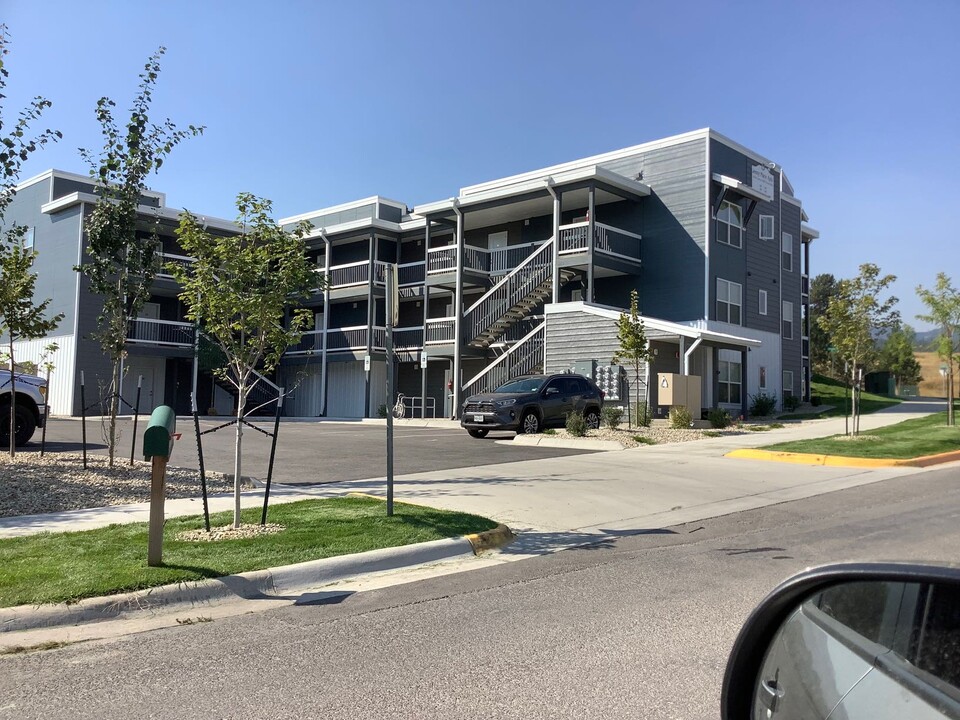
<point x="355" y="338"/>
<point x="171" y="259"/>
<point x="147" y="331"/>
<point x="440" y="330"/>
<point x="356" y="273"/>
<point x="607" y="240"/>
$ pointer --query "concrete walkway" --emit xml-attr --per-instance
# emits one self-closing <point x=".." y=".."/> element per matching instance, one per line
<point x="558" y="502"/>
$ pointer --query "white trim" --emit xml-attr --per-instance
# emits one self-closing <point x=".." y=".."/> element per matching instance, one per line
<point x="728" y="302"/>
<point x="783" y="237"/>
<point x="783" y="318"/>
<point x="773" y="227"/>
<point x="707" y="224"/>
<point x="733" y="144"/>
<point x="739" y="226"/>
<point x="353" y="225"/>
<point x="583" y="162"/>
<point x="372" y="200"/>
<point x="791" y="199"/>
<point x="740" y="187"/>
<point x="807" y="231"/>
<point x="762" y="302"/>
<point x="679" y="329"/>
<point x="167" y="213"/>
<point x="63" y="174"/>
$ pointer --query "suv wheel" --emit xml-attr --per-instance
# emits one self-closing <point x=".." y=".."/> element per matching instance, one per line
<point x="530" y="423"/>
<point x="592" y="418"/>
<point x="477" y="432"/>
<point x="25" y="425"/>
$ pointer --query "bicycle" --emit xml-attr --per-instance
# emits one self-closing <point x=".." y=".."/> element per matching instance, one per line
<point x="399" y="410"/>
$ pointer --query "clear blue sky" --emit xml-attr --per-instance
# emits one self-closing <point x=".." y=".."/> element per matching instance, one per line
<point x="316" y="103"/>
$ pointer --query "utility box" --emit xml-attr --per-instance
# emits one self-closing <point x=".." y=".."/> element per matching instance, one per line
<point x="675" y="389"/>
<point x="584" y="367"/>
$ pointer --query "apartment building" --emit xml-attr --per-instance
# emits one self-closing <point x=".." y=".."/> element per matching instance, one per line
<point x="521" y="274"/>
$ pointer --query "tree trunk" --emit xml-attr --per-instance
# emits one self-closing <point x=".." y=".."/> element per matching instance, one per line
<point x="13" y="403"/>
<point x="951" y="420"/>
<point x="236" y="460"/>
<point x="113" y="410"/>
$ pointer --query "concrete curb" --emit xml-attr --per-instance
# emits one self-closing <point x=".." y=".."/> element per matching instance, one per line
<point x="842" y="461"/>
<point x="274" y="583"/>
<point x="541" y="441"/>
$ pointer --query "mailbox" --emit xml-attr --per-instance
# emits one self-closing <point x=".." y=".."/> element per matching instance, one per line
<point x="158" y="437"/>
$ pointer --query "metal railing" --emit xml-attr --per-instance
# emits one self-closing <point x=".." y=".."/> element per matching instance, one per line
<point x="411" y="273"/>
<point x="513" y="288"/>
<point x="310" y="343"/>
<point x="147" y="331"/>
<point x="440" y="330"/>
<point x="171" y="259"/>
<point x="524" y="358"/>
<point x="348" y="338"/>
<point x="606" y="239"/>
<point x="504" y="259"/>
<point x="357" y="273"/>
<point x="442" y="259"/>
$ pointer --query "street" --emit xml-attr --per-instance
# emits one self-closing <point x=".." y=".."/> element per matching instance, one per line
<point x="636" y="626"/>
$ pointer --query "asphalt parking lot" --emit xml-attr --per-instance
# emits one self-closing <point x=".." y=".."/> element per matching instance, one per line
<point x="309" y="452"/>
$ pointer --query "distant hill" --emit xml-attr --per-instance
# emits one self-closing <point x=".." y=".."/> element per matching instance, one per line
<point x="926" y="341"/>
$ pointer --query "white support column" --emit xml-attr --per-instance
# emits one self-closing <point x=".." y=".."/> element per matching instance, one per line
<point x="458" y="313"/>
<point x="591" y="225"/>
<point x="556" y="240"/>
<point x="426" y="316"/>
<point x="328" y="248"/>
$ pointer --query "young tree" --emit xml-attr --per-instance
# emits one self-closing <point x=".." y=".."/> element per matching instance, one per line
<point x="943" y="301"/>
<point x="854" y="314"/>
<point x="634" y="349"/>
<point x="897" y="356"/>
<point x="239" y="290"/>
<point x="19" y="317"/>
<point x="822" y="289"/>
<point x="122" y="242"/>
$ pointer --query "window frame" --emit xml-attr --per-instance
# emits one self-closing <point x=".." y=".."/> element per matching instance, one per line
<point x="721" y="219"/>
<point x="762" y="302"/>
<point x="772" y="227"/>
<point x="728" y="303"/>
<point x="786" y="256"/>
<point x="786" y="319"/>
<point x="729" y="383"/>
<point x="787" y="387"/>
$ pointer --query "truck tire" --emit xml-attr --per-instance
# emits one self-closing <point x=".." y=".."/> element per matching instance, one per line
<point x="25" y="425"/>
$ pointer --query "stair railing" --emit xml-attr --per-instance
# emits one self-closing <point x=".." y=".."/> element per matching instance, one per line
<point x="521" y="359"/>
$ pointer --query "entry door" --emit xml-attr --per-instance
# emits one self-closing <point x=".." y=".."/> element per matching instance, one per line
<point x="153" y="372"/>
<point x="497" y="240"/>
<point x="498" y="256"/>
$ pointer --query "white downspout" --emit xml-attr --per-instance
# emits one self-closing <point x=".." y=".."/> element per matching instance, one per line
<point x="328" y="247"/>
<point x="688" y="354"/>
<point x="555" y="270"/>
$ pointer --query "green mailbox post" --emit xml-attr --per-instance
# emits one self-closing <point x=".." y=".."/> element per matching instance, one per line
<point x="157" y="446"/>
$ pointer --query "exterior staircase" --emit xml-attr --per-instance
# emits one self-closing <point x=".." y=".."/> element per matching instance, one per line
<point x="514" y="297"/>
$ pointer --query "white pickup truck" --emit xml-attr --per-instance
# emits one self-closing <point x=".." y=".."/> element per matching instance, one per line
<point x="31" y="411"/>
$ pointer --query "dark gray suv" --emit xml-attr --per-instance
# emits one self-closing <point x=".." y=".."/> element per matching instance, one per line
<point x="530" y="403"/>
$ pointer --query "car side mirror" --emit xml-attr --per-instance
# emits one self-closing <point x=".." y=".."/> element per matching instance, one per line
<point x="853" y="641"/>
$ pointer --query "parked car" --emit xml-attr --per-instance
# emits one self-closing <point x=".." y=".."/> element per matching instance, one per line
<point x="530" y="403"/>
<point x="870" y="641"/>
<point x="31" y="407"/>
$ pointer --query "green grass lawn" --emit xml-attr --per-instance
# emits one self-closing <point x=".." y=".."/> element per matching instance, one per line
<point x="831" y="392"/>
<point x="64" y="567"/>
<point x="911" y="438"/>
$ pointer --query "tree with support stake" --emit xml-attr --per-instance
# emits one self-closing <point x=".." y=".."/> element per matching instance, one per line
<point x="239" y="290"/>
<point x="634" y="348"/>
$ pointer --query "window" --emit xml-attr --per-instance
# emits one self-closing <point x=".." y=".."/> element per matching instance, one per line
<point x="729" y="382"/>
<point x="763" y="378"/>
<point x="787" y="320"/>
<point x="788" y="383"/>
<point x="28" y="238"/>
<point x="766" y="227"/>
<point x="786" y="256"/>
<point x="730" y="224"/>
<point x="763" y="302"/>
<point x="729" y="301"/>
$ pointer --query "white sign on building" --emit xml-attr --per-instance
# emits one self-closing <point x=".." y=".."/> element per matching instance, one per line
<point x="762" y="181"/>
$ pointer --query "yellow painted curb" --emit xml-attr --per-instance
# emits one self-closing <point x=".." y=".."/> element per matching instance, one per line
<point x="842" y="461"/>
<point x="491" y="539"/>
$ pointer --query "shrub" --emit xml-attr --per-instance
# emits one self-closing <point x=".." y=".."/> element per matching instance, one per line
<point x="644" y="416"/>
<point x="644" y="440"/>
<point x="816" y="400"/>
<point x="680" y="417"/>
<point x="712" y="433"/>
<point x="612" y="416"/>
<point x="719" y="418"/>
<point x="576" y="424"/>
<point x="762" y="404"/>
<point x="549" y="431"/>
<point x="381" y="411"/>
<point x="791" y="403"/>
<point x="776" y="426"/>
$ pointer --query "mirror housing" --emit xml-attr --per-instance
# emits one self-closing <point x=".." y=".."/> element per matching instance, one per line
<point x="740" y="682"/>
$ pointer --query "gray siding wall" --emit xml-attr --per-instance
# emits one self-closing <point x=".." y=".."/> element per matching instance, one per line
<point x="672" y="225"/>
<point x="790" y="287"/>
<point x="56" y="240"/>
<point x="757" y="265"/>
<point x="579" y="336"/>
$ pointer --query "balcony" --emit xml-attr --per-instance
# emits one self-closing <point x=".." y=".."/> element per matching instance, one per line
<point x="607" y="240"/>
<point x="804" y="284"/>
<point x="170" y="259"/>
<point x="354" y="339"/>
<point x="160" y="333"/>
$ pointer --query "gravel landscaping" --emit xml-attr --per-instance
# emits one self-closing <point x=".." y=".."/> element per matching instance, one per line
<point x="33" y="485"/>
<point x="656" y="434"/>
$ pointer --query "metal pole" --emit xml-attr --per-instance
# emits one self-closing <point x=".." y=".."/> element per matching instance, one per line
<point x="846" y="401"/>
<point x="273" y="453"/>
<point x="391" y="288"/>
<point x="46" y="416"/>
<point x="203" y="476"/>
<point x="136" y="417"/>
<point x="83" y="420"/>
